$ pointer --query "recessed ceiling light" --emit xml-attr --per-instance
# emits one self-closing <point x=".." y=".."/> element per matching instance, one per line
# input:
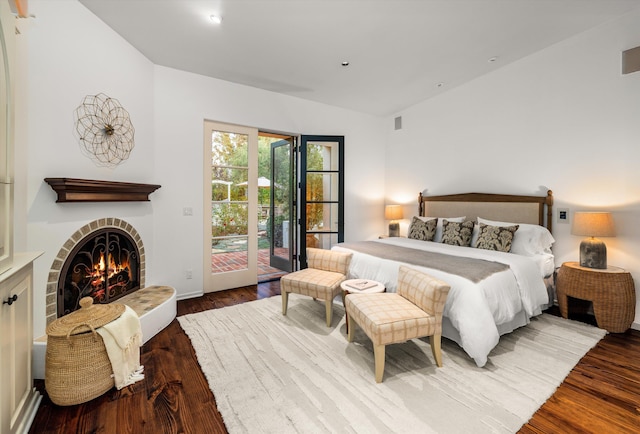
<point x="493" y="59"/>
<point x="216" y="19"/>
<point x="345" y="63"/>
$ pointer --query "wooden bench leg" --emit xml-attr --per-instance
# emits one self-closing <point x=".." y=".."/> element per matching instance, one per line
<point x="329" y="309"/>
<point x="436" y="341"/>
<point x="378" y="354"/>
<point x="285" y="301"/>
<point x="346" y="314"/>
<point x="350" y="329"/>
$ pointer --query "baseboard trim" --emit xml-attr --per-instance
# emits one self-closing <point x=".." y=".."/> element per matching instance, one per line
<point x="190" y="295"/>
<point x="31" y="408"/>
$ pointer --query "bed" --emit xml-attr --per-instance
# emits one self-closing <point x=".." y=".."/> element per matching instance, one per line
<point x="493" y="249"/>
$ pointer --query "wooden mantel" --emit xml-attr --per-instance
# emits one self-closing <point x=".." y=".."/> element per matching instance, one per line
<point x="87" y="190"/>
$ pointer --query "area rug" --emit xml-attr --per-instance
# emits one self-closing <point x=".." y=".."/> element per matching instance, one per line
<point x="271" y="373"/>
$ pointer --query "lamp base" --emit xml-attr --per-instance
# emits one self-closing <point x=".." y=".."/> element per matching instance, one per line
<point x="394" y="229"/>
<point x="593" y="254"/>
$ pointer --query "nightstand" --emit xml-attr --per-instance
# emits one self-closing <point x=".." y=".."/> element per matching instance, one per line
<point x="611" y="291"/>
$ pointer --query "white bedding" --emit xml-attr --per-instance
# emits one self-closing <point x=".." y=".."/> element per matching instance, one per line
<point x="476" y="314"/>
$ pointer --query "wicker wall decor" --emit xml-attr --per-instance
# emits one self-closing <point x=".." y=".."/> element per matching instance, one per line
<point x="104" y="130"/>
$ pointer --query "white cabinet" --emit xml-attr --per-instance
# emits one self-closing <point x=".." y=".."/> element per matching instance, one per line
<point x="18" y="398"/>
<point x="7" y="47"/>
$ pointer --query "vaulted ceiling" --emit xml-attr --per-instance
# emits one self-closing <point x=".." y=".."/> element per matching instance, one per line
<point x="399" y="52"/>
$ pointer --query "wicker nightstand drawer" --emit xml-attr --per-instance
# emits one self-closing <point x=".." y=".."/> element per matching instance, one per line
<point x="611" y="291"/>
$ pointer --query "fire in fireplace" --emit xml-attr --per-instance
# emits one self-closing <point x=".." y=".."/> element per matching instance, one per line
<point x="105" y="265"/>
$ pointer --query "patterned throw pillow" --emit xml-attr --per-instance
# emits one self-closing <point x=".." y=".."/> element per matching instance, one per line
<point x="457" y="234"/>
<point x="496" y="237"/>
<point x="421" y="230"/>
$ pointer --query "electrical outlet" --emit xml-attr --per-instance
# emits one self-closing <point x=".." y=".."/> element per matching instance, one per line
<point x="563" y="215"/>
<point x="187" y="211"/>
<point x="188" y="274"/>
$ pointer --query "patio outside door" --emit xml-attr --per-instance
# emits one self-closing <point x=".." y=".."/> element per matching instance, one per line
<point x="321" y="193"/>
<point x="282" y="224"/>
<point x="230" y="204"/>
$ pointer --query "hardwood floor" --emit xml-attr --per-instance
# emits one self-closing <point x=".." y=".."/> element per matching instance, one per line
<point x="600" y="395"/>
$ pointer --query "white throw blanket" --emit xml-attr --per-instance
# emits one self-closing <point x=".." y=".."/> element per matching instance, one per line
<point x="123" y="338"/>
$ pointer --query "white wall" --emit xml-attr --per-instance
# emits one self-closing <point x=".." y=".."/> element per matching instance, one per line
<point x="183" y="101"/>
<point x="70" y="54"/>
<point x="564" y="119"/>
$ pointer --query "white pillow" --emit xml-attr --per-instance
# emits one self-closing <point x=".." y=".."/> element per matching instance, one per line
<point x="438" y="237"/>
<point x="528" y="240"/>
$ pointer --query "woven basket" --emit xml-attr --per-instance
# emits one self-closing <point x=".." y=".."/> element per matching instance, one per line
<point x="77" y="367"/>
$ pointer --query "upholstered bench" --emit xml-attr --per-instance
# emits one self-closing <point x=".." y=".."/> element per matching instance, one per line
<point x="326" y="271"/>
<point x="387" y="318"/>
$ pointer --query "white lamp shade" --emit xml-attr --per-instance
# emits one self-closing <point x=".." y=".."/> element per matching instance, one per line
<point x="593" y="224"/>
<point x="393" y="212"/>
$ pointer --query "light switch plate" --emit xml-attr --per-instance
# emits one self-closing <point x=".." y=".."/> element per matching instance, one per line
<point x="563" y="215"/>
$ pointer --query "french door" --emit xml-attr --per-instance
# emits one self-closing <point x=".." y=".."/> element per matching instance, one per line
<point x="311" y="215"/>
<point x="282" y="203"/>
<point x="230" y="204"/>
<point x="305" y="190"/>
<point x="321" y="193"/>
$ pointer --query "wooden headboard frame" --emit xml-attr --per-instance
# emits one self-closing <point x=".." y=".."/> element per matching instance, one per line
<point x="502" y="207"/>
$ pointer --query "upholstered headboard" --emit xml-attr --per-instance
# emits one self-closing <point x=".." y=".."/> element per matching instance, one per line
<point x="502" y="207"/>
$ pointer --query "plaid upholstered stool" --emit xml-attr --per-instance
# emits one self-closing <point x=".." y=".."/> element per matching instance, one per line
<point x="414" y="311"/>
<point x="326" y="271"/>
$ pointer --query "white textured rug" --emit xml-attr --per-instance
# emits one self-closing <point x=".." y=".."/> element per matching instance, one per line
<point x="278" y="374"/>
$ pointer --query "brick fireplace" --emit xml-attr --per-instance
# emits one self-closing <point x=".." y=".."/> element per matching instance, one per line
<point x="109" y="237"/>
<point x="155" y="305"/>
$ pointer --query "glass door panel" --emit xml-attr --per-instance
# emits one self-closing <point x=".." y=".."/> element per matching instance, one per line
<point x="282" y="205"/>
<point x="326" y="184"/>
<point x="322" y="192"/>
<point x="322" y="239"/>
<point x="323" y="156"/>
<point x="231" y="220"/>
<point x="322" y="217"/>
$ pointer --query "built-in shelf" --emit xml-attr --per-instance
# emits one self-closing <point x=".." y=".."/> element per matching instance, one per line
<point x="88" y="190"/>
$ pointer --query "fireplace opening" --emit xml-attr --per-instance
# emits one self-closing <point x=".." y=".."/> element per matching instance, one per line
<point x="105" y="266"/>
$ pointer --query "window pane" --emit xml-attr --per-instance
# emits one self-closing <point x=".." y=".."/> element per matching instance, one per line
<point x="322" y="217"/>
<point x="322" y="241"/>
<point x="322" y="156"/>
<point x="229" y="149"/>
<point x="322" y="187"/>
<point x="220" y="250"/>
<point x="229" y="184"/>
<point x="229" y="219"/>
<point x="281" y="238"/>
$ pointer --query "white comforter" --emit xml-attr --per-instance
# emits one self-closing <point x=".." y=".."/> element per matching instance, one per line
<point x="476" y="314"/>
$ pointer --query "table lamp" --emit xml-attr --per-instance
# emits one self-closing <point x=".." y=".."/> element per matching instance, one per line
<point x="593" y="252"/>
<point x="393" y="213"/>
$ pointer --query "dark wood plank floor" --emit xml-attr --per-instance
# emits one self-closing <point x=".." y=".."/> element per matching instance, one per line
<point x="601" y="395"/>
